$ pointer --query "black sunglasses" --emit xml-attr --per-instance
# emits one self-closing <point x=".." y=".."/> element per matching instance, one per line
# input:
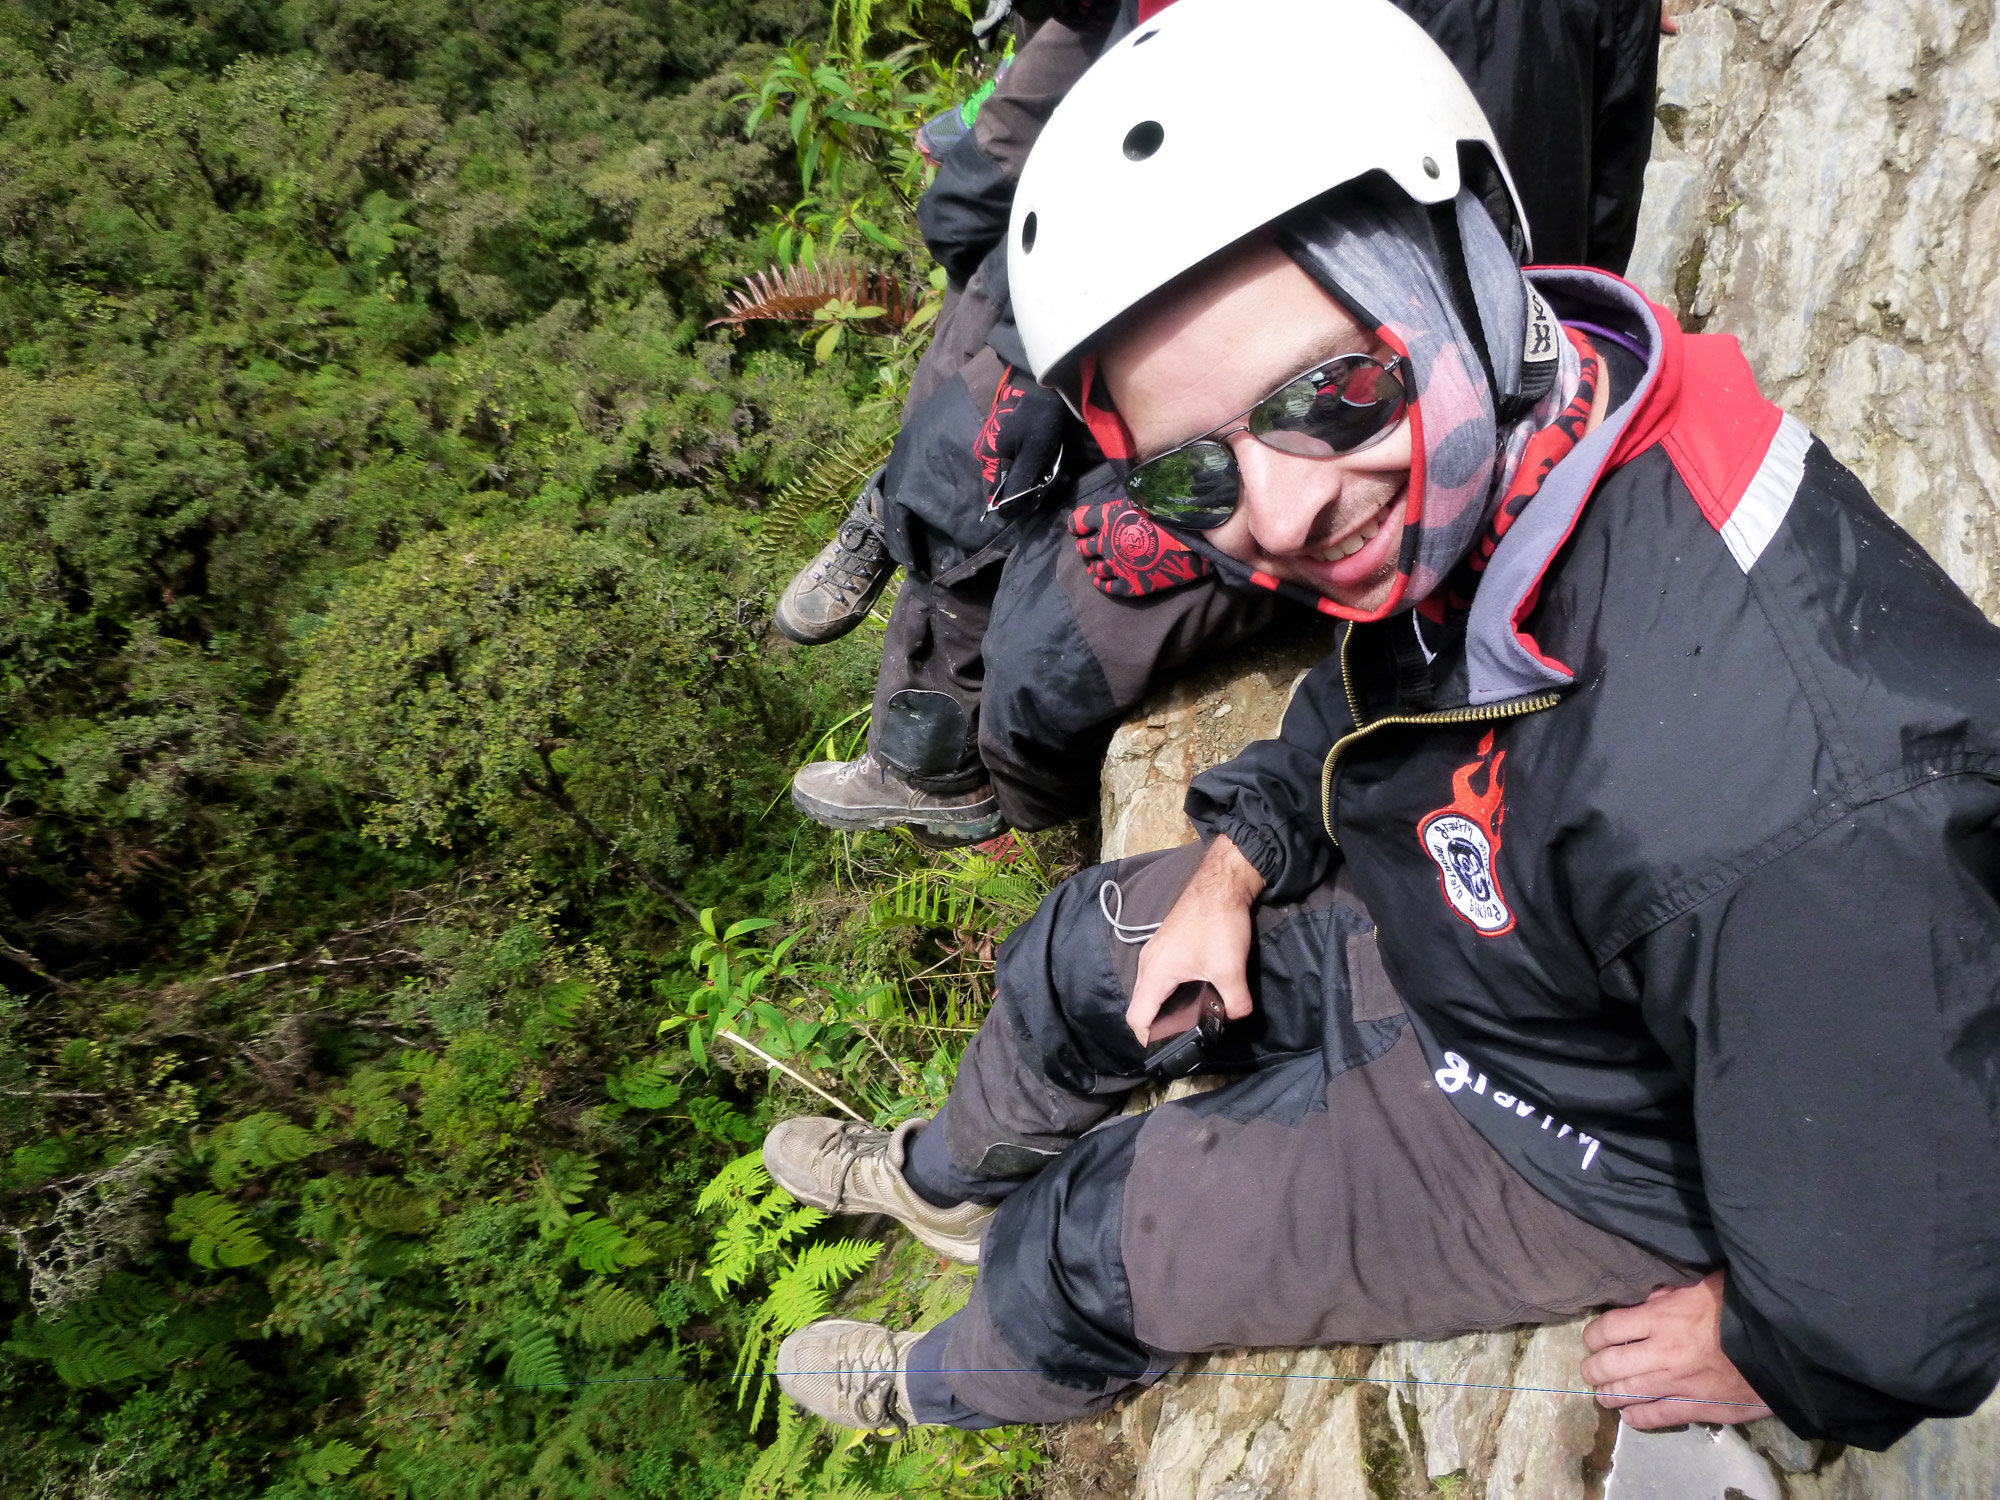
<point x="1337" y="408"/>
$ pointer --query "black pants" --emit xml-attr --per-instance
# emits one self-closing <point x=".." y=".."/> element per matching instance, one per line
<point x="1329" y="1195"/>
<point x="1035" y="713"/>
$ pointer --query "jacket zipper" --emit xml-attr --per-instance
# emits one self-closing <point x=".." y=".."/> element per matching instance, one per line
<point x="1513" y="708"/>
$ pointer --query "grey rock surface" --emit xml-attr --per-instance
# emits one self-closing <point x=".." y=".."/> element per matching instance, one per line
<point x="1822" y="187"/>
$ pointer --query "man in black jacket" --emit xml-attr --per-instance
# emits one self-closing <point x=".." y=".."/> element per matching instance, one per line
<point x="985" y="474"/>
<point x="1616" y="918"/>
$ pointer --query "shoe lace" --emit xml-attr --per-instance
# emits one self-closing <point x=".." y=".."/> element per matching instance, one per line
<point x="867" y="1382"/>
<point x="847" y="1146"/>
<point x="856" y="556"/>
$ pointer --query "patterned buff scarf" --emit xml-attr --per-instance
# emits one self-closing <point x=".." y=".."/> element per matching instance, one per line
<point x="1381" y="261"/>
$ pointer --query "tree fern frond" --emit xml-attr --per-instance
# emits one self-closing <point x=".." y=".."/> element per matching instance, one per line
<point x="780" y="1470"/>
<point x="257" y="1142"/>
<point x="799" y="1221"/>
<point x="330" y="1461"/>
<point x="100" y="1362"/>
<point x="793" y="294"/>
<point x="387" y="1204"/>
<point x="535" y="1359"/>
<point x="613" y="1314"/>
<point x="600" y="1245"/>
<point x="804" y="1291"/>
<point x="124" y="1301"/>
<point x="743" y="1178"/>
<point x="830" y="482"/>
<point x="216" y="1230"/>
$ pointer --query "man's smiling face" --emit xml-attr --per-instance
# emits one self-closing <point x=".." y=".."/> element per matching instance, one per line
<point x="1212" y="348"/>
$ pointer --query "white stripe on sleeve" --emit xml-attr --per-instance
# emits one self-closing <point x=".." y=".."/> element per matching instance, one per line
<point x="1760" y="512"/>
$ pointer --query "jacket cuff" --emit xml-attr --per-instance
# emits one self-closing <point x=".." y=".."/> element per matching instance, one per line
<point x="1266" y="854"/>
<point x="1812" y="1401"/>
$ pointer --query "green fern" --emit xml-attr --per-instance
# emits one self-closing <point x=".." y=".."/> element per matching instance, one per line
<point x="535" y="1360"/>
<point x="102" y="1360"/>
<point x="216" y="1230"/>
<point x="329" y="1461"/>
<point x="600" y="1245"/>
<point x="614" y="1315"/>
<point x="84" y="1351"/>
<point x="123" y="1302"/>
<point x="781" y="1468"/>
<point x="255" y="1143"/>
<point x="742" y="1180"/>
<point x="563" y="1003"/>
<point x="834" y="477"/>
<point x="386" y="1204"/>
<point x="650" y="1085"/>
<point x="802" y="1294"/>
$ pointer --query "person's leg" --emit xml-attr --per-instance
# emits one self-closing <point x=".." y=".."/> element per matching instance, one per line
<point x="1332" y="1199"/>
<point x="1076" y="661"/>
<point x="922" y="764"/>
<point x="1053" y="1060"/>
<point x="1055" y="1057"/>
<point x="927" y="693"/>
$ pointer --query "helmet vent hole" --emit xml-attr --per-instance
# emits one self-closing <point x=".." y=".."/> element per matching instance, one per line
<point x="1143" y="139"/>
<point x="1145" y="37"/>
<point x="1028" y="227"/>
<point x="1431" y="168"/>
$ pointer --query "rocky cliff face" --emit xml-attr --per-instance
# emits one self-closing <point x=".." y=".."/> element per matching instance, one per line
<point x="1822" y="187"/>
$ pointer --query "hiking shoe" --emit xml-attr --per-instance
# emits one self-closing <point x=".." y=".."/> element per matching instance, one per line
<point x="835" y="591"/>
<point x="847" y="1168"/>
<point x="850" y="1374"/>
<point x="866" y="793"/>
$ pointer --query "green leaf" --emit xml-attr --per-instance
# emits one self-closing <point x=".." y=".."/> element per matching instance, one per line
<point x="600" y="1245"/>
<point x="258" y="1142"/>
<point x="331" y="1460"/>
<point x="216" y="1230"/>
<point x="748" y="924"/>
<point x="535" y="1359"/>
<point x="614" y="1315"/>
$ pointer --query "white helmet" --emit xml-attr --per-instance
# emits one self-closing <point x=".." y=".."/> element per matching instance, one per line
<point x="1210" y="121"/>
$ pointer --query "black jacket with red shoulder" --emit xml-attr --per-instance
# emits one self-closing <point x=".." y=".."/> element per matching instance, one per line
<point x="1684" y="845"/>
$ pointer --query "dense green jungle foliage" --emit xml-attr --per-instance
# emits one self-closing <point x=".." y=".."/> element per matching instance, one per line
<point x="397" y="873"/>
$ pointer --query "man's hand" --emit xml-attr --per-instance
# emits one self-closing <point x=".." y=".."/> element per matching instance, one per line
<point x="1206" y="936"/>
<point x="1669" y="1345"/>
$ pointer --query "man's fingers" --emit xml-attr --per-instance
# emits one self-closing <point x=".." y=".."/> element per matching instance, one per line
<point x="1650" y="1416"/>
<point x="1147" y="998"/>
<point x="1621" y="1325"/>
<point x="1620" y="1365"/>
<point x="1235" y="992"/>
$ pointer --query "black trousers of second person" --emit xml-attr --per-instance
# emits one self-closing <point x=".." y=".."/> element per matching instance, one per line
<point x="1332" y="1194"/>
<point x="1034" y="711"/>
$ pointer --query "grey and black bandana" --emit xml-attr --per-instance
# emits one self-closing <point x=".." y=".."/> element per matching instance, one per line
<point x="1384" y="262"/>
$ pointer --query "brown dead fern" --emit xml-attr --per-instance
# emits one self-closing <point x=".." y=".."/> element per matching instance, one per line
<point x="795" y="293"/>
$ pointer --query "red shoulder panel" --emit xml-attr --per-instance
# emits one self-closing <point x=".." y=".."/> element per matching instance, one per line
<point x="1719" y="427"/>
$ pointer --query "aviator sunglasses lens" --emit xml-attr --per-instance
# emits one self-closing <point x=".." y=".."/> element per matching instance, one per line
<point x="1196" y="486"/>
<point x="1336" y="409"/>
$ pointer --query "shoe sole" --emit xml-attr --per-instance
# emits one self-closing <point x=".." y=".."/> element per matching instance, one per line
<point x="958" y="827"/>
<point x="951" y="1247"/>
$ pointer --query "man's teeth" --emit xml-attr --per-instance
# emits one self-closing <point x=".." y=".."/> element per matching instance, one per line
<point x="1350" y="545"/>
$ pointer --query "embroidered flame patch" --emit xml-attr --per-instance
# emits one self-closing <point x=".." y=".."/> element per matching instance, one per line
<point x="1463" y="840"/>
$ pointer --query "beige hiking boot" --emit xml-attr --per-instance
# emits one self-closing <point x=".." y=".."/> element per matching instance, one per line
<point x="850" y="1374"/>
<point x="847" y="1168"/>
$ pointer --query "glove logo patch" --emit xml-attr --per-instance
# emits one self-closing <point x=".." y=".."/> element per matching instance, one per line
<point x="1463" y="840"/>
